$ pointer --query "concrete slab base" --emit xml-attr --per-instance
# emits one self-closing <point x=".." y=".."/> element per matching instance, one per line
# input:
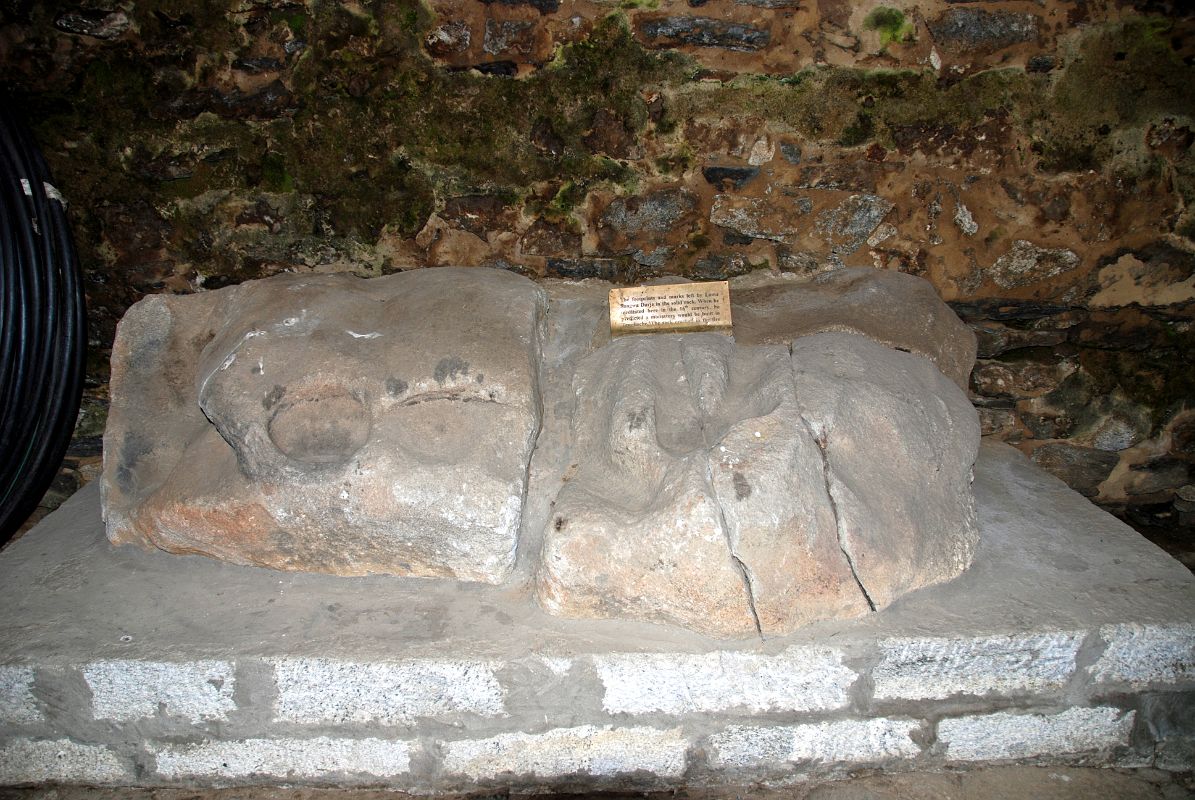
<point x="1070" y="641"/>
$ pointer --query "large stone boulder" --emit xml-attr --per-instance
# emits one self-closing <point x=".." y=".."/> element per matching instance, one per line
<point x="737" y="490"/>
<point x="898" y="310"/>
<point x="898" y="441"/>
<point x="696" y="497"/>
<point x="815" y="465"/>
<point x="328" y="423"/>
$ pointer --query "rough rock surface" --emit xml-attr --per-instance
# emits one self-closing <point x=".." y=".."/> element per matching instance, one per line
<point x="703" y="32"/>
<point x="730" y="490"/>
<point x="756" y="218"/>
<point x="692" y="464"/>
<point x="961" y="29"/>
<point x="1026" y="263"/>
<point x="895" y="309"/>
<point x="733" y="487"/>
<point x="325" y="423"/>
<point x="899" y="442"/>
<point x="1083" y="468"/>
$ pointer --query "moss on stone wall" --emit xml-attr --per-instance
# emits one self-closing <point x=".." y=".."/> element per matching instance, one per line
<point x="378" y="134"/>
<point x="1124" y="75"/>
<point x="336" y="117"/>
<point x="853" y="106"/>
<point x="890" y="23"/>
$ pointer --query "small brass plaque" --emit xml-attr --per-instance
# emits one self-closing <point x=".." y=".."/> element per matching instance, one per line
<point x="673" y="307"/>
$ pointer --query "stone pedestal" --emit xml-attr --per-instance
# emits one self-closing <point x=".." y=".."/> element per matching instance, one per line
<point x="1069" y="640"/>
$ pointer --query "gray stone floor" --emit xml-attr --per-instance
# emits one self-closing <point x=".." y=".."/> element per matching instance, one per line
<point x="992" y="783"/>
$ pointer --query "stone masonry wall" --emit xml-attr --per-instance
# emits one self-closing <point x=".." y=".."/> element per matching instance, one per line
<point x="642" y="720"/>
<point x="1034" y="160"/>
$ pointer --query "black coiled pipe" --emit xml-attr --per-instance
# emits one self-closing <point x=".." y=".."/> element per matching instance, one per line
<point x="43" y="330"/>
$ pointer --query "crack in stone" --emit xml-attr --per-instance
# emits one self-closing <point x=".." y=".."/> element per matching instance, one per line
<point x="842" y="545"/>
<point x="821" y="447"/>
<point x="743" y="570"/>
<point x="447" y="394"/>
<point x="746" y="573"/>
<point x="541" y="383"/>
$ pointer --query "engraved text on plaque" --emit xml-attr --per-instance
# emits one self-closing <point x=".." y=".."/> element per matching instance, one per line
<point x="671" y="307"/>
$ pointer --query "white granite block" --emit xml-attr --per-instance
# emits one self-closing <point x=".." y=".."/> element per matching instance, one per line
<point x="327" y="691"/>
<point x="797" y="679"/>
<point x="922" y="668"/>
<point x="591" y="750"/>
<point x="1005" y="735"/>
<point x="314" y="758"/>
<point x="60" y="761"/>
<point x="17" y="704"/>
<point x="193" y="690"/>
<point x="844" y="741"/>
<point x="1140" y="655"/>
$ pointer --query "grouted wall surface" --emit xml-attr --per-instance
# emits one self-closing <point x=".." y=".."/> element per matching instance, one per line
<point x="1034" y="161"/>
